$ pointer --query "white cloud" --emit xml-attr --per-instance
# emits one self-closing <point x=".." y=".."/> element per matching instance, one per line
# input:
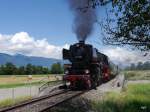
<point x="24" y="44"/>
<point x="22" y="38"/>
<point x="124" y="56"/>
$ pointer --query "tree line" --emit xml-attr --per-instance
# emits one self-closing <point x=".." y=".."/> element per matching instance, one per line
<point x="29" y="69"/>
<point x="139" y="66"/>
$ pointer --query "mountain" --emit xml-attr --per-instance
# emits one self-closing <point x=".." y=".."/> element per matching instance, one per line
<point x="22" y="60"/>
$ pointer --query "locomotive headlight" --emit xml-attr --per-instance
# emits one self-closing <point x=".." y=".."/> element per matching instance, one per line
<point x="66" y="72"/>
<point x="87" y="71"/>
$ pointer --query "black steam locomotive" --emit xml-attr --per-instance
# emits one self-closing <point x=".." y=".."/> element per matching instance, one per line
<point x="88" y="68"/>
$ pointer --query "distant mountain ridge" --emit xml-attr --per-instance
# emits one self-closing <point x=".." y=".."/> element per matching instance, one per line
<point x="22" y="60"/>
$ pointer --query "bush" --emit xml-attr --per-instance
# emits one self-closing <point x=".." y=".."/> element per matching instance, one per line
<point x="137" y="75"/>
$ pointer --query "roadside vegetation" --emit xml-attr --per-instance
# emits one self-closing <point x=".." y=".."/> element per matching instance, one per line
<point x="137" y="75"/>
<point x="135" y="98"/>
<point x="10" y="101"/>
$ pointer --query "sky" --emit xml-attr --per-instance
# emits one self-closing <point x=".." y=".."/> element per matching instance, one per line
<point x="43" y="27"/>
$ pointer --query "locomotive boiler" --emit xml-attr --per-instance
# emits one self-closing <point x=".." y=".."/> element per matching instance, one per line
<point x="87" y="68"/>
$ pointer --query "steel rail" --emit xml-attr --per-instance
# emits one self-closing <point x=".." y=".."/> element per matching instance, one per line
<point x="31" y="101"/>
<point x="64" y="100"/>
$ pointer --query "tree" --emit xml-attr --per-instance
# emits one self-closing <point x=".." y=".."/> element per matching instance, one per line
<point x="21" y="70"/>
<point x="56" y="68"/>
<point x="130" y="24"/>
<point x="39" y="70"/>
<point x="132" y="67"/>
<point x="146" y="66"/>
<point x="45" y="70"/>
<point x="2" y="70"/>
<point x="29" y="69"/>
<point x="139" y="66"/>
<point x="9" y="69"/>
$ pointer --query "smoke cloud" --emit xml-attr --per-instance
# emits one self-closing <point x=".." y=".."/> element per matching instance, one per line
<point x="84" y="18"/>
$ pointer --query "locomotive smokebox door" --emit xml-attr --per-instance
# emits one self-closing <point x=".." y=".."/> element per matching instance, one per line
<point x="66" y="54"/>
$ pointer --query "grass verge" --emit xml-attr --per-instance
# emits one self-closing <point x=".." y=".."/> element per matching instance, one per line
<point x="136" y="98"/>
<point x="10" y="102"/>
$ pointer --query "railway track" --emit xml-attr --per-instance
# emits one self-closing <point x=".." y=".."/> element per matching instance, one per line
<point x="43" y="103"/>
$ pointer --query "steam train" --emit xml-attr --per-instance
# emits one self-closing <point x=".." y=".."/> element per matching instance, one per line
<point x="88" y="68"/>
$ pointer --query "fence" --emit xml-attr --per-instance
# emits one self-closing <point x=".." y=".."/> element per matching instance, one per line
<point x="12" y="93"/>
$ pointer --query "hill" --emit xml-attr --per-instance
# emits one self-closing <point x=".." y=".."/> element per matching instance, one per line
<point x="22" y="60"/>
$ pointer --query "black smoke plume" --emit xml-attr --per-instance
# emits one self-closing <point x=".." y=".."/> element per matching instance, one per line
<point x="84" y="18"/>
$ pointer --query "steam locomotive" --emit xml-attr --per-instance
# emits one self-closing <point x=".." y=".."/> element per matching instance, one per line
<point x="88" y="68"/>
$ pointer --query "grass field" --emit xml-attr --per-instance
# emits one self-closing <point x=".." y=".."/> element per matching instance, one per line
<point x="23" y="80"/>
<point x="135" y="98"/>
<point x="137" y="75"/>
<point x="9" y="102"/>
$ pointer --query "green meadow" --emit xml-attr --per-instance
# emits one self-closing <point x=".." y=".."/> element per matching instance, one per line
<point x="134" y="98"/>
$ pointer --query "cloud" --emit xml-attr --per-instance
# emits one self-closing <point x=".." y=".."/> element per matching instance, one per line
<point x="124" y="56"/>
<point x="22" y="43"/>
